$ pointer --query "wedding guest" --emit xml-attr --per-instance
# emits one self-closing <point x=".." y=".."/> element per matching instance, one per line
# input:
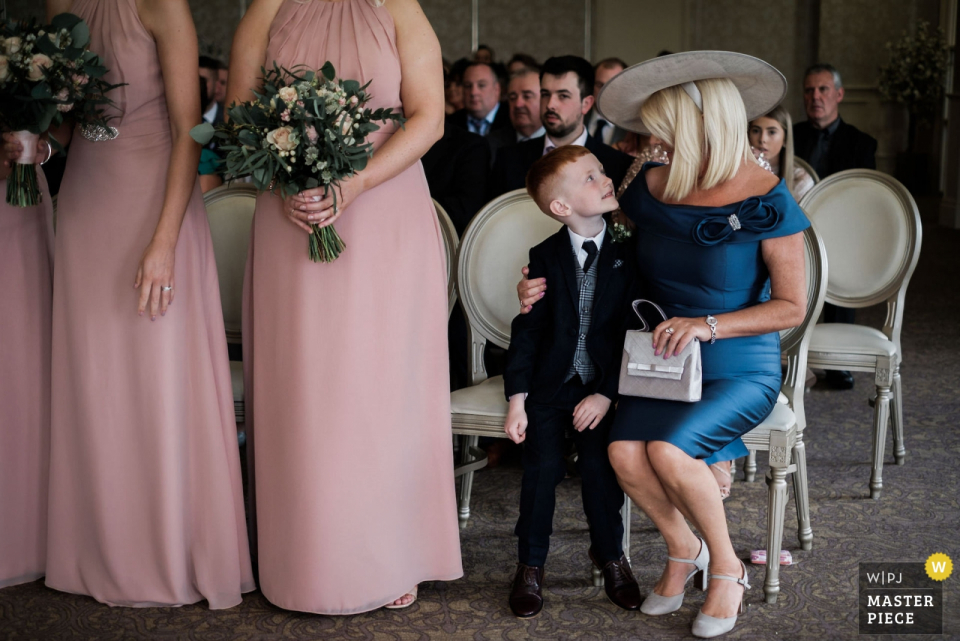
<point x="523" y="98"/>
<point x="566" y="96"/>
<point x="562" y="374"/>
<point x="710" y="277"/>
<point x="772" y="135"/>
<point x="26" y="279"/>
<point x="210" y="72"/>
<point x="598" y="127"/>
<point x="453" y="86"/>
<point x="830" y="145"/>
<point x="483" y="112"/>
<point x="484" y="54"/>
<point x="522" y="61"/>
<point x="145" y="499"/>
<point x="345" y="525"/>
<point x="210" y="161"/>
<point x="223" y="77"/>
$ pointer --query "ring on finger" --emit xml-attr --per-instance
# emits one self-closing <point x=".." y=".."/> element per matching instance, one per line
<point x="669" y="330"/>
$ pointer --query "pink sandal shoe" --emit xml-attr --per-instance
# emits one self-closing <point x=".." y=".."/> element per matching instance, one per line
<point x="412" y="593"/>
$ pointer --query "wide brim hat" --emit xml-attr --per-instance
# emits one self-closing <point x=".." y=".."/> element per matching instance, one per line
<point x="761" y="85"/>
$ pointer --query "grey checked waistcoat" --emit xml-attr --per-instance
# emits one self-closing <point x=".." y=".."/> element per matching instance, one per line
<point x="586" y="285"/>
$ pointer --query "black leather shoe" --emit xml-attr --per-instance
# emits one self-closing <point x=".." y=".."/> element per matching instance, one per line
<point x="839" y="379"/>
<point x="619" y="583"/>
<point x="526" y="599"/>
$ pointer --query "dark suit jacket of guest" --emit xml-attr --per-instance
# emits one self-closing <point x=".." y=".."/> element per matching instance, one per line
<point x="512" y="164"/>
<point x="500" y="121"/>
<point x="497" y="139"/>
<point x="543" y="342"/>
<point x="457" y="167"/>
<point x="850" y="148"/>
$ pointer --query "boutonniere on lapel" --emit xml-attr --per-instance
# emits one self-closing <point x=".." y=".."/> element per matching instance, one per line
<point x="617" y="263"/>
<point x="619" y="233"/>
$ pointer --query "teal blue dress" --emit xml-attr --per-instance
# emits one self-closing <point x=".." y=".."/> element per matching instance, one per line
<point x="693" y="261"/>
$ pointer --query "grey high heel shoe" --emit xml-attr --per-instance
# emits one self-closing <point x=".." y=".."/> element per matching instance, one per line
<point x="656" y="605"/>
<point x="707" y="627"/>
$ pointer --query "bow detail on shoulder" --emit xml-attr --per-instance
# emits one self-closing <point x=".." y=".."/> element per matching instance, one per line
<point x="754" y="214"/>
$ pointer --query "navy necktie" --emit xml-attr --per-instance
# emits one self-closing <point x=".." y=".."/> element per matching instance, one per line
<point x="591" y="248"/>
<point x="598" y="132"/>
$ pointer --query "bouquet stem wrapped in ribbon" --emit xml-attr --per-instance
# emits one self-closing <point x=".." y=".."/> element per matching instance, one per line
<point x="305" y="129"/>
<point x="46" y="74"/>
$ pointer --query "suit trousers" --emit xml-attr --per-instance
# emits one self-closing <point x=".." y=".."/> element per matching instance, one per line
<point x="544" y="468"/>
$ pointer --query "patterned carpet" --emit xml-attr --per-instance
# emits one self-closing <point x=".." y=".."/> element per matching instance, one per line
<point x="918" y="514"/>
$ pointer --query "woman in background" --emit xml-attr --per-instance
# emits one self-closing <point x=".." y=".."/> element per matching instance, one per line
<point x="772" y="135"/>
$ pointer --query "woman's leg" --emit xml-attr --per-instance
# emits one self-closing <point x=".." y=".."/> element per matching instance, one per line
<point x="639" y="480"/>
<point x="691" y="488"/>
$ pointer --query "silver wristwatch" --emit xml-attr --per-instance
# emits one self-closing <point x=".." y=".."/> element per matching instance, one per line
<point x="712" y="322"/>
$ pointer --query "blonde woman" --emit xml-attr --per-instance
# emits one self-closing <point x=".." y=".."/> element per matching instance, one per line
<point x="347" y="361"/>
<point x="772" y="135"/>
<point x="720" y="250"/>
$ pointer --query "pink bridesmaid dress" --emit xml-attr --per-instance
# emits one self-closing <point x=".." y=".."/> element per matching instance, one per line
<point x="146" y="505"/>
<point x="26" y="280"/>
<point x="348" y="360"/>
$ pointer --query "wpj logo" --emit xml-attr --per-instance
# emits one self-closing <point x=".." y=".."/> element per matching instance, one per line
<point x="899" y="598"/>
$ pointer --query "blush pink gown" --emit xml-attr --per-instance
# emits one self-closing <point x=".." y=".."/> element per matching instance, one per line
<point x="146" y="505"/>
<point x="26" y="280"/>
<point x="348" y="361"/>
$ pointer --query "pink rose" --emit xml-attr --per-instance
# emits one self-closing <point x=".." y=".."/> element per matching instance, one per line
<point x="38" y="65"/>
<point x="287" y="94"/>
<point x="354" y="101"/>
<point x="285" y="116"/>
<point x="80" y="79"/>
<point x="344" y="122"/>
<point x="283" y="138"/>
<point x="12" y="45"/>
<point x="312" y="134"/>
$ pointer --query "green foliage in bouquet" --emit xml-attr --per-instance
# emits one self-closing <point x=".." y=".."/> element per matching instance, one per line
<point x="47" y="73"/>
<point x="304" y="130"/>
<point x="915" y="75"/>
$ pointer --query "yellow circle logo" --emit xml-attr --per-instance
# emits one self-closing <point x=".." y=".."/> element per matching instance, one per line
<point x="939" y="566"/>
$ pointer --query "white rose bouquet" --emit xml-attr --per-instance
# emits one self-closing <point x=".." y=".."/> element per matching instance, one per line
<point x="46" y="74"/>
<point x="305" y="130"/>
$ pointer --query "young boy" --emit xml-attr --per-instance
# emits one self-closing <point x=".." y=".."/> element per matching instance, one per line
<point x="563" y="370"/>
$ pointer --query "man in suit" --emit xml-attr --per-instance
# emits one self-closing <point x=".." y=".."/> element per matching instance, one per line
<point x="566" y="96"/>
<point x="210" y="72"/>
<point x="830" y="145"/>
<point x="483" y="112"/>
<point x="605" y="132"/>
<point x="523" y="98"/>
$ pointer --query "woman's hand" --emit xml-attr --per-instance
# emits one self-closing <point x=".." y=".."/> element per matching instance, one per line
<point x="13" y="149"/>
<point x="684" y="330"/>
<point x="312" y="207"/>
<point x="155" y="278"/>
<point x="530" y="291"/>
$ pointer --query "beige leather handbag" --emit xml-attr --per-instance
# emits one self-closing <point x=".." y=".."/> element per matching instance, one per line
<point x="642" y="373"/>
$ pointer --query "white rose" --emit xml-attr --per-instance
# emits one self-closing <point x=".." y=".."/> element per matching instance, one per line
<point x="283" y="138"/>
<point x="38" y="64"/>
<point x="4" y="69"/>
<point x="288" y="94"/>
<point x="12" y="45"/>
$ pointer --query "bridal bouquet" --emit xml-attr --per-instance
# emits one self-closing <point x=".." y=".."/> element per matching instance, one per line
<point x="46" y="74"/>
<point x="304" y="130"/>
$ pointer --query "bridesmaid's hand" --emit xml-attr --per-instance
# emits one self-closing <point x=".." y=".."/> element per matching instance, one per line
<point x="684" y="331"/>
<point x="530" y="291"/>
<point x="12" y="149"/>
<point x="312" y="207"/>
<point x="154" y="274"/>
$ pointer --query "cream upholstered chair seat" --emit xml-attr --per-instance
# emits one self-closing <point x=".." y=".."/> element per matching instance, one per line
<point x="871" y="228"/>
<point x="230" y="215"/>
<point x="781" y="433"/>
<point x="493" y="250"/>
<point x="852" y="342"/>
<point x="485" y="399"/>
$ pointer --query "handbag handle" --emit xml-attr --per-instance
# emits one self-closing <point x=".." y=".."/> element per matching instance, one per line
<point x="636" y="310"/>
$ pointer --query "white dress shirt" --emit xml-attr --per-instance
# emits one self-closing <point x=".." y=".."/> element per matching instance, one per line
<point x="549" y="145"/>
<point x="488" y="118"/>
<point x="606" y="136"/>
<point x="539" y="132"/>
<point x="211" y="114"/>
<point x="577" y="242"/>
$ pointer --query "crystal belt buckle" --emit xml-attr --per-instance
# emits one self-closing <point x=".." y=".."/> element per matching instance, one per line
<point x="98" y="133"/>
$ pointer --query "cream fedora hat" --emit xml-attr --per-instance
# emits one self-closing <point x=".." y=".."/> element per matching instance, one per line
<point x="761" y="86"/>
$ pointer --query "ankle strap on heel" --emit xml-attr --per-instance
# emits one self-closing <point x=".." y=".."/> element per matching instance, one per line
<point x="745" y="581"/>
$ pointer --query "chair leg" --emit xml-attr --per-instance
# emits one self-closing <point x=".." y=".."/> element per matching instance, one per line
<point x="802" y="494"/>
<point x="466" y="483"/>
<point x="896" y="416"/>
<point x="881" y="415"/>
<point x="750" y="467"/>
<point x="777" y="480"/>
<point x="625" y="512"/>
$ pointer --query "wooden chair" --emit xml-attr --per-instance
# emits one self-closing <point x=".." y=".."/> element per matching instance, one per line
<point x="871" y="228"/>
<point x="230" y="214"/>
<point x="781" y="433"/>
<point x="493" y="250"/>
<point x="451" y="242"/>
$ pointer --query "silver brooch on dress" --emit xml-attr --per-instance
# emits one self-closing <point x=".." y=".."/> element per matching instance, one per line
<point x="98" y="133"/>
<point x="734" y="221"/>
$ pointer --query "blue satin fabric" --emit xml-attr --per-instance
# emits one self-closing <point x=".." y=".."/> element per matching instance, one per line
<point x="693" y="262"/>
